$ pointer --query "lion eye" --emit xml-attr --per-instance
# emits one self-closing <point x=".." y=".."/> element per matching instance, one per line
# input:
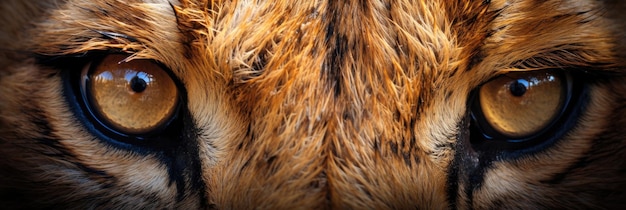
<point x="130" y="98"/>
<point x="525" y="110"/>
<point x="520" y="104"/>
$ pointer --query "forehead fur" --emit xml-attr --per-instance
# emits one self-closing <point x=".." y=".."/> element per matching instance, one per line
<point x="435" y="38"/>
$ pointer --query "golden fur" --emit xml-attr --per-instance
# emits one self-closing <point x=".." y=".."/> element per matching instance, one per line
<point x="313" y="104"/>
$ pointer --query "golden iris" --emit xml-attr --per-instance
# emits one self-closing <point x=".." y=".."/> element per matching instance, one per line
<point x="133" y="97"/>
<point x="520" y="104"/>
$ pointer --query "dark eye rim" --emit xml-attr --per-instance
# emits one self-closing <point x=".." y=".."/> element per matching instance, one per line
<point x="162" y="137"/>
<point x="485" y="138"/>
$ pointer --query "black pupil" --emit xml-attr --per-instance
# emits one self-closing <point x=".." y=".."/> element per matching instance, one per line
<point x="518" y="88"/>
<point x="138" y="84"/>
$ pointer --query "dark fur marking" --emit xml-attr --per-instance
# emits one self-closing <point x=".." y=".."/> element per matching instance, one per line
<point x="417" y="160"/>
<point x="396" y="115"/>
<point x="412" y="126"/>
<point x="249" y="135"/>
<point x="376" y="144"/>
<point x="476" y="57"/>
<point x="336" y="60"/>
<point x="259" y="63"/>
<point x="100" y="176"/>
<point x="271" y="159"/>
<point x="559" y="177"/>
<point x="463" y="167"/>
<point x="479" y="20"/>
<point x="475" y="180"/>
<point x="338" y="46"/>
<point x="407" y="159"/>
<point x="394" y="147"/>
<point x="188" y="30"/>
<point x="244" y="166"/>
<point x="588" y="159"/>
<point x="412" y="141"/>
<point x="452" y="183"/>
<point x="184" y="163"/>
<point x="60" y="152"/>
<point x="448" y="95"/>
<point x="37" y="117"/>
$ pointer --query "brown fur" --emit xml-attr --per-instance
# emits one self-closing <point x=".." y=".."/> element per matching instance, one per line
<point x="313" y="104"/>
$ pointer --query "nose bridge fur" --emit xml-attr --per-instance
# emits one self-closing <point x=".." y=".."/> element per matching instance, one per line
<point x="332" y="93"/>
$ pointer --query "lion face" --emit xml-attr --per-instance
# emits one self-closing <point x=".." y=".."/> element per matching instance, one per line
<point x="312" y="104"/>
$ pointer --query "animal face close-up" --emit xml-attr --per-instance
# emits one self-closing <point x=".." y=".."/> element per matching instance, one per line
<point x="316" y="104"/>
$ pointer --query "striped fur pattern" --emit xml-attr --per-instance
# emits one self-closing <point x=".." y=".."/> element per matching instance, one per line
<point x="307" y="104"/>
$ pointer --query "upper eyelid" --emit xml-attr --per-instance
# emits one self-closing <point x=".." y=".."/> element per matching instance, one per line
<point x="114" y="37"/>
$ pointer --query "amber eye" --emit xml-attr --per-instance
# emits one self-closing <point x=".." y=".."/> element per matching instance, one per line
<point x="131" y="98"/>
<point x="521" y="104"/>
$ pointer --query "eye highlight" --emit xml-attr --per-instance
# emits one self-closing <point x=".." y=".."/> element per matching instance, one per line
<point x="129" y="98"/>
<point x="521" y="104"/>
